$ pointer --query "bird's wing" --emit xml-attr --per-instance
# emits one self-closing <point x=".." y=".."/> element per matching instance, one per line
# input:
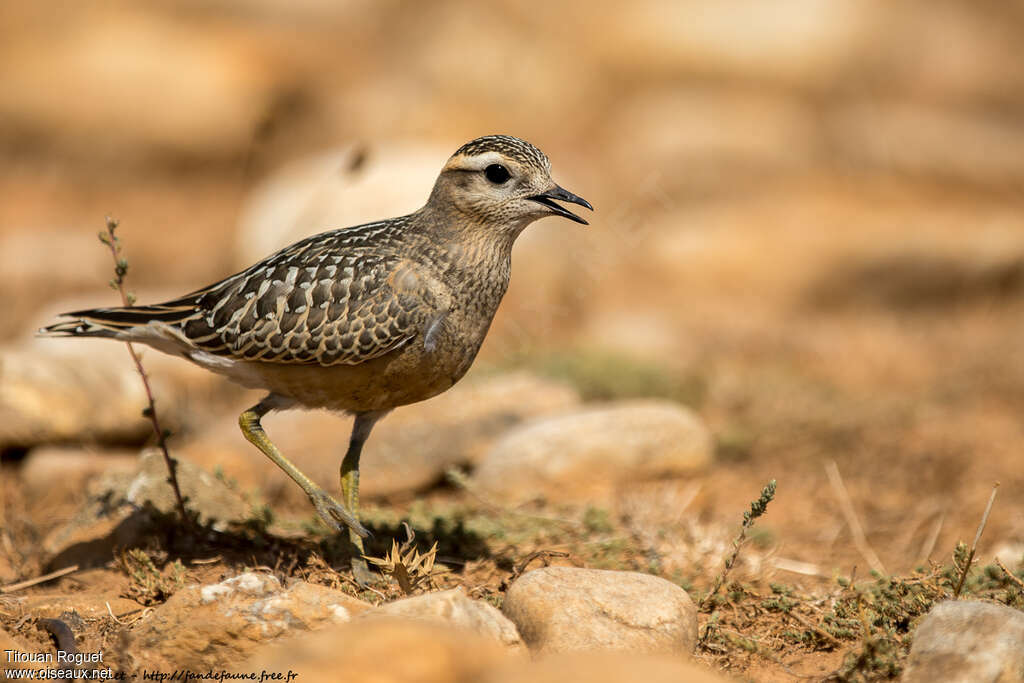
<point x="317" y="304"/>
<point x="332" y="299"/>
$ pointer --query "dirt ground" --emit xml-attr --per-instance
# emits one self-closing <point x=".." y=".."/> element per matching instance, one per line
<point x="820" y="253"/>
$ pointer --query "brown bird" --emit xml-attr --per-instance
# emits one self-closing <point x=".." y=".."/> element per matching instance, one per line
<point x="362" y="319"/>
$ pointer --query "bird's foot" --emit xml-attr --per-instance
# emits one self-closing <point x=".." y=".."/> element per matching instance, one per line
<point x="335" y="515"/>
<point x="362" y="573"/>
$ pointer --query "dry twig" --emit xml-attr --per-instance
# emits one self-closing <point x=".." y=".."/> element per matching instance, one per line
<point x="518" y="570"/>
<point x="825" y="635"/>
<point x="859" y="539"/>
<point x="933" y="537"/>
<point x="39" y="579"/>
<point x="113" y="243"/>
<point x="974" y="546"/>
<point x="1013" y="577"/>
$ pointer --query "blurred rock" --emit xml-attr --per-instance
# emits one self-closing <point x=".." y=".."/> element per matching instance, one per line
<point x="589" y="452"/>
<point x="567" y="609"/>
<point x="87" y="390"/>
<point x="720" y="135"/>
<point x="603" y="667"/>
<point x="920" y="279"/>
<point x="944" y="53"/>
<point x="454" y="608"/>
<point x="205" y="494"/>
<point x="946" y="144"/>
<point x="795" y="41"/>
<point x="65" y="470"/>
<point x="218" y="625"/>
<point x="336" y="189"/>
<point x="68" y="396"/>
<point x="136" y="84"/>
<point x="968" y="642"/>
<point x="408" y="451"/>
<point x="384" y="650"/>
<point x="80" y="262"/>
<point x="118" y="513"/>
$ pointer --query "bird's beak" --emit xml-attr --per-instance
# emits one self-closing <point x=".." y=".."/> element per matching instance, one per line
<point x="547" y="199"/>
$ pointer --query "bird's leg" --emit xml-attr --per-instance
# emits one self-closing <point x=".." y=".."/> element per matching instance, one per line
<point x="333" y="513"/>
<point x="350" y="488"/>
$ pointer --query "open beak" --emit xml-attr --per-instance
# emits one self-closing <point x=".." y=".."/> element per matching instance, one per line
<point x="547" y="199"/>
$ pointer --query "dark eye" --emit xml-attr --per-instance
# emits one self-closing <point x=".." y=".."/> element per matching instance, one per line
<point x="497" y="174"/>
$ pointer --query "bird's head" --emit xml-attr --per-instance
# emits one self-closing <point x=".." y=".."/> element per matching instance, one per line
<point x="503" y="181"/>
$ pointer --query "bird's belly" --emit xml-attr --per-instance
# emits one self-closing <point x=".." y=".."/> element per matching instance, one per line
<point x="407" y="375"/>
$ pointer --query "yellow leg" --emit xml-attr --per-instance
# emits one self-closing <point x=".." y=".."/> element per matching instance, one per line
<point x="350" y="490"/>
<point x="333" y="513"/>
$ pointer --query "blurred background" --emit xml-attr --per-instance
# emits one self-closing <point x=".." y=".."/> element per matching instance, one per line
<point x="809" y="230"/>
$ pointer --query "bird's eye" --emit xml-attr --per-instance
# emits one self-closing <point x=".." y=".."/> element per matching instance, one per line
<point x="497" y="174"/>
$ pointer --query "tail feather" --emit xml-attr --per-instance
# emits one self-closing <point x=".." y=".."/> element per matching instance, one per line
<point x="114" y="323"/>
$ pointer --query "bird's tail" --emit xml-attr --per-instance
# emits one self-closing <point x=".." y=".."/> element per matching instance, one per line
<point x="116" y="323"/>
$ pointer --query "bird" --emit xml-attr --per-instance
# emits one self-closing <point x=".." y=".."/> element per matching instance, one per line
<point x="358" y="320"/>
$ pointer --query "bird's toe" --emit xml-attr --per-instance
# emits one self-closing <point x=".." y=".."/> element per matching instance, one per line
<point x="335" y="515"/>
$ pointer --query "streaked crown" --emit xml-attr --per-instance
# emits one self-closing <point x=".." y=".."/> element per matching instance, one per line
<point x="507" y="146"/>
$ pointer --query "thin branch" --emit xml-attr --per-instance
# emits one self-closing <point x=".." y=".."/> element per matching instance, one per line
<point x="1011" y="575"/>
<point x="977" y="537"/>
<point x="812" y="627"/>
<point x="933" y="537"/>
<point x="39" y="579"/>
<point x="117" y="283"/>
<point x="846" y="505"/>
<point x="798" y="567"/>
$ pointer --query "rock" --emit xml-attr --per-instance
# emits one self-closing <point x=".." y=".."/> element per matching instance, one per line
<point x="218" y="625"/>
<point x="129" y="109"/>
<point x="962" y="56"/>
<point x="384" y="650"/>
<point x="410" y="450"/>
<point x="793" y="41"/>
<point x="968" y="641"/>
<point x="567" y="609"/>
<point x="205" y="494"/>
<point x="88" y="391"/>
<point x="117" y="512"/>
<point x="79" y="263"/>
<point x="603" y="667"/>
<point x="454" y="608"/>
<point x="69" y="469"/>
<point x="723" y="135"/>
<point x="587" y="453"/>
<point x="336" y="189"/>
<point x="921" y="279"/>
<point x="989" y="149"/>
<point x="50" y="397"/>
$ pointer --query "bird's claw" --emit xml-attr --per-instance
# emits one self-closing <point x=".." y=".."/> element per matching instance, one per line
<point x="335" y="515"/>
<point x="363" y="575"/>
